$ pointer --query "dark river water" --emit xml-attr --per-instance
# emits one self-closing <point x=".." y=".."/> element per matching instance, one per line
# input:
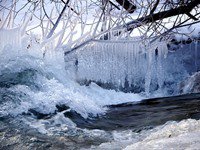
<point x="145" y="114"/>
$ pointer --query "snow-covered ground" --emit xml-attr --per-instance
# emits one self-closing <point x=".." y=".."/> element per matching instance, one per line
<point x="181" y="135"/>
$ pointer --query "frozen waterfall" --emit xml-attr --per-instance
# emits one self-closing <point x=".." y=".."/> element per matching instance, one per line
<point x="123" y="63"/>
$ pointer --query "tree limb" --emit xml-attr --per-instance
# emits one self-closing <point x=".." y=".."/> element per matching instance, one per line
<point x="114" y="5"/>
<point x="58" y="20"/>
<point x="161" y="15"/>
<point x="70" y="8"/>
<point x="191" y="16"/>
<point x="127" y="5"/>
<point x="155" y="6"/>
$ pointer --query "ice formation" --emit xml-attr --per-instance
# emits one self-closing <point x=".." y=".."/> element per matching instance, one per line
<point x="131" y="62"/>
<point x="10" y="39"/>
<point x="122" y="61"/>
<point x="54" y="83"/>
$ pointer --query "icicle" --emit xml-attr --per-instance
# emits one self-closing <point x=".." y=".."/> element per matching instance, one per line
<point x="129" y="67"/>
<point x="162" y="53"/>
<point x="196" y="55"/>
<point x="25" y="24"/>
<point x="61" y="35"/>
<point x="1" y="19"/>
<point x="159" y="67"/>
<point x="51" y="39"/>
<point x="148" y="76"/>
<point x="118" y="62"/>
<point x="132" y="64"/>
<point x="5" y="23"/>
<point x="48" y="24"/>
<point x="164" y="49"/>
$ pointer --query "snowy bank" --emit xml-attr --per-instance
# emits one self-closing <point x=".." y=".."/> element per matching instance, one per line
<point x="181" y="135"/>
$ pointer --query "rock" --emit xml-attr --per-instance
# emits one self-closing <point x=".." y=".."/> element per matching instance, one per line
<point x="191" y="84"/>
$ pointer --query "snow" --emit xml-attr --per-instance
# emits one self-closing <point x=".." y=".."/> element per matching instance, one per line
<point x="182" y="135"/>
<point x="172" y="135"/>
<point x="187" y="32"/>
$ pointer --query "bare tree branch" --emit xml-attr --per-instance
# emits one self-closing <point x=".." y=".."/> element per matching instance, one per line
<point x="191" y="16"/>
<point x="127" y="5"/>
<point x="58" y="20"/>
<point x="161" y="15"/>
<point x="155" y="6"/>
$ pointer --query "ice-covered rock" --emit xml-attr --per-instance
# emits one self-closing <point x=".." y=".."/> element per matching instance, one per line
<point x="191" y="84"/>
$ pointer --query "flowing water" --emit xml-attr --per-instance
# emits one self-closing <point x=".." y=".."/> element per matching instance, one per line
<point x="41" y="111"/>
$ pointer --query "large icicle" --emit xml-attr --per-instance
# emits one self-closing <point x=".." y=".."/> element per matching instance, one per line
<point x="162" y="53"/>
<point x="148" y="77"/>
<point x="196" y="54"/>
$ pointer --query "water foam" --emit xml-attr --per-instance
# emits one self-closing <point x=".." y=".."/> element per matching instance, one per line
<point x="54" y="84"/>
